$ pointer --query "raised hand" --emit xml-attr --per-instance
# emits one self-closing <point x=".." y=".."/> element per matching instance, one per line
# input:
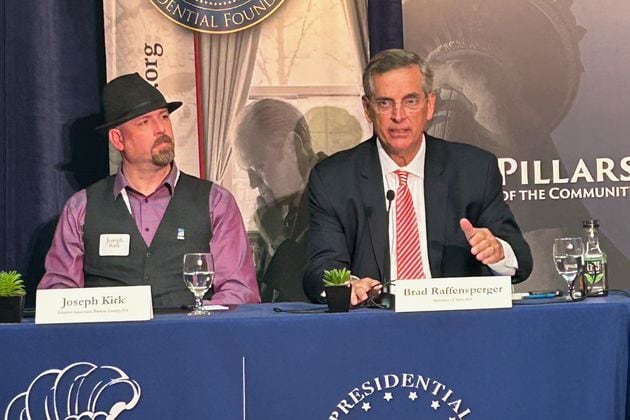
<point x="484" y="245"/>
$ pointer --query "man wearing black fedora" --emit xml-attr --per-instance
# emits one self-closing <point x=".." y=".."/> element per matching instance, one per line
<point x="134" y="227"/>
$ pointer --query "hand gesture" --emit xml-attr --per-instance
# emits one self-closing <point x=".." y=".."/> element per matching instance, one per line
<point x="484" y="245"/>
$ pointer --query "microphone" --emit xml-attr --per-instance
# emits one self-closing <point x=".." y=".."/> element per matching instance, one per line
<point x="387" y="298"/>
<point x="390" y="197"/>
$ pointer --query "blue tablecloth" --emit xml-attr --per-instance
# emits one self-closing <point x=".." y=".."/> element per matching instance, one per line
<point x="553" y="361"/>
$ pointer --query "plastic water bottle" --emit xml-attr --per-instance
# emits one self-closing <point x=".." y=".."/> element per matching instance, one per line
<point x="595" y="266"/>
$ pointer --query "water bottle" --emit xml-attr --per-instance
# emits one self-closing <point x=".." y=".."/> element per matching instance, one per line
<point x="595" y="266"/>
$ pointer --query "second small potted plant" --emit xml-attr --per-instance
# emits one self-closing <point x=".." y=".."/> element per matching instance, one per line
<point x="337" y="287"/>
<point x="11" y="296"/>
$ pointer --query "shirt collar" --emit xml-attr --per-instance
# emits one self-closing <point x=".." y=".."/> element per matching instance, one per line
<point x="170" y="181"/>
<point x="415" y="167"/>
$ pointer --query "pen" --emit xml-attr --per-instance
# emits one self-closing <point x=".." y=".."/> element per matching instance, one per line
<point x="540" y="296"/>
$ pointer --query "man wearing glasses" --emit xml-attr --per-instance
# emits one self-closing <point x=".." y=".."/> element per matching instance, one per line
<point x="404" y="204"/>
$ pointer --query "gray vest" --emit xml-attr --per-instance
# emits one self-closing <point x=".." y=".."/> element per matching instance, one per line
<point x="185" y="227"/>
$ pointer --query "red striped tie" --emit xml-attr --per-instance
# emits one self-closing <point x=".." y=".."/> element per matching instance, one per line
<point x="408" y="256"/>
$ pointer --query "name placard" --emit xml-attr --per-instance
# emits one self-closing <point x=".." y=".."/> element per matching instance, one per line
<point x="453" y="293"/>
<point x="94" y="304"/>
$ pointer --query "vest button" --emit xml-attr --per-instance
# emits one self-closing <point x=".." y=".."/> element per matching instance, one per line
<point x="148" y="254"/>
<point x="146" y="278"/>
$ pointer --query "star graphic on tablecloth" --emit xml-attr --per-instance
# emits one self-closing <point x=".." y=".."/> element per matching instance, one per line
<point x="435" y="404"/>
<point x="366" y="407"/>
<point x="388" y="396"/>
<point x="413" y="396"/>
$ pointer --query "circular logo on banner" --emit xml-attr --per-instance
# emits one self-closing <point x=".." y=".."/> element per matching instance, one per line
<point x="217" y="16"/>
<point x="396" y="395"/>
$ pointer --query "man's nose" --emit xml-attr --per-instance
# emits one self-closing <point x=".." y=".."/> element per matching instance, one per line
<point x="398" y="112"/>
<point x="159" y="126"/>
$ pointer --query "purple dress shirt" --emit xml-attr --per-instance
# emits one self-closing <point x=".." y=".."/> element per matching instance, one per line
<point x="235" y="277"/>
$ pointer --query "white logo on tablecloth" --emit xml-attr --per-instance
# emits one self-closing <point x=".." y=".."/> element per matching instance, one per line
<point x="402" y="388"/>
<point x="80" y="391"/>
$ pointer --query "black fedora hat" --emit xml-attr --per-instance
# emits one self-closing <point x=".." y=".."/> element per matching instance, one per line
<point x="129" y="96"/>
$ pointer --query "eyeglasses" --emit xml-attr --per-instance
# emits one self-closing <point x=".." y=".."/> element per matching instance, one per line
<point x="411" y="104"/>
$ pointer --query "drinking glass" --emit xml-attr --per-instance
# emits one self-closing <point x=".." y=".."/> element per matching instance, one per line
<point x="568" y="255"/>
<point x="198" y="276"/>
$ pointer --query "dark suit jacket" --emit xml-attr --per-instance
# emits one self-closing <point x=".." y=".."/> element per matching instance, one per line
<point x="281" y="280"/>
<point x="348" y="215"/>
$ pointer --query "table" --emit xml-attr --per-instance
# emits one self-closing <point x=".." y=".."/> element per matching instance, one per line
<point x="554" y="361"/>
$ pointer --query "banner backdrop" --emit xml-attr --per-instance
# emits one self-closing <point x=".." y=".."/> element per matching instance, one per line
<point x="541" y="84"/>
<point x="265" y="103"/>
<point x="537" y="82"/>
<point x="138" y="38"/>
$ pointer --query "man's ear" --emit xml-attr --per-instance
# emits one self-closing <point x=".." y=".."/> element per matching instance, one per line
<point x="431" y="101"/>
<point x="116" y="139"/>
<point x="295" y="140"/>
<point x="294" y="147"/>
<point x="366" y="108"/>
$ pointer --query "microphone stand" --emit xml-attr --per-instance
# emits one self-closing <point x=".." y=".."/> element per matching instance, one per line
<point x="387" y="299"/>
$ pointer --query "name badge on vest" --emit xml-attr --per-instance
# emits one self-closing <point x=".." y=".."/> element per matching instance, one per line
<point x="114" y="245"/>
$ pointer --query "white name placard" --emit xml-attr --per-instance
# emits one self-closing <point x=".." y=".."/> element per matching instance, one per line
<point x="453" y="293"/>
<point x="94" y="304"/>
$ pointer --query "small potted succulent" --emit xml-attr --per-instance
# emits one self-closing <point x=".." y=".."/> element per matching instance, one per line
<point x="11" y="296"/>
<point x="337" y="287"/>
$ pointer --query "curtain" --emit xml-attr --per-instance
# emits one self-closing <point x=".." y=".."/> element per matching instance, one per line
<point x="385" y="24"/>
<point x="51" y="74"/>
<point x="226" y="68"/>
<point x="356" y="15"/>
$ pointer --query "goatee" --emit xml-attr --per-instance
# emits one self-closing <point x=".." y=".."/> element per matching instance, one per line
<point x="164" y="155"/>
